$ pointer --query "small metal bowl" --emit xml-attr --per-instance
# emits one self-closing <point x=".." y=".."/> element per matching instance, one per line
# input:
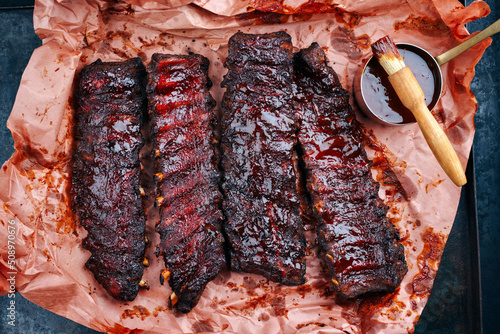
<point x="378" y="100"/>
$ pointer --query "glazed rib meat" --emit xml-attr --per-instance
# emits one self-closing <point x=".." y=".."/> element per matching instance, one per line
<point x="263" y="226"/>
<point x="105" y="176"/>
<point x="359" y="243"/>
<point x="188" y="197"/>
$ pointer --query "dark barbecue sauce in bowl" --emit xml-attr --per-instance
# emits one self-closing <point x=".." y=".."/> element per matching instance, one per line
<point x="379" y="96"/>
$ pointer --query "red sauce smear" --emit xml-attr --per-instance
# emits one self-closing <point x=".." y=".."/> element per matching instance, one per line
<point x="428" y="262"/>
<point x="137" y="311"/>
<point x="425" y="25"/>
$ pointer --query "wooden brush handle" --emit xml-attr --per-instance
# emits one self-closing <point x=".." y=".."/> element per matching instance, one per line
<point x="411" y="95"/>
<point x="462" y="47"/>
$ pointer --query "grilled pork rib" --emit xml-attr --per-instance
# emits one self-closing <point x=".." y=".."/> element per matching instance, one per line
<point x="263" y="227"/>
<point x="360" y="245"/>
<point x="181" y="110"/>
<point x="105" y="176"/>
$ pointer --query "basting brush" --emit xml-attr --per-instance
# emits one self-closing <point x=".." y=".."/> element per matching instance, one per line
<point x="411" y="95"/>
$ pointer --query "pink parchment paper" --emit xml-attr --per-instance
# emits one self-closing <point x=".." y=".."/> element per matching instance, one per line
<point x="34" y="181"/>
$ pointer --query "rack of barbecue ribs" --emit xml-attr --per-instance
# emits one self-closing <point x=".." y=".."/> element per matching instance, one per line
<point x="359" y="244"/>
<point x="188" y="196"/>
<point x="263" y="227"/>
<point x="105" y="176"/>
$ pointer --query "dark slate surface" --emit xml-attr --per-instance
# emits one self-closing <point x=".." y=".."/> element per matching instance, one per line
<point x="486" y="86"/>
<point x="454" y="306"/>
<point x="17" y="41"/>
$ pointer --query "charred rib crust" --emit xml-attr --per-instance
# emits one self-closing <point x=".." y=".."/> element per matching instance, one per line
<point x="359" y="243"/>
<point x="105" y="176"/>
<point x="181" y="110"/>
<point x="264" y="229"/>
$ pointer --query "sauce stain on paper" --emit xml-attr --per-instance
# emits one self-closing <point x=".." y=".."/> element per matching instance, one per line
<point x="119" y="329"/>
<point x="304" y="290"/>
<point x="428" y="262"/>
<point x="46" y="252"/>
<point x="116" y="7"/>
<point x="250" y="285"/>
<point x="433" y="184"/>
<point x="383" y="164"/>
<point x="439" y="114"/>
<point x="54" y="203"/>
<point x="261" y="295"/>
<point x="350" y="20"/>
<point x="138" y="311"/>
<point x="202" y="326"/>
<point x="360" y="312"/>
<point x="313" y="323"/>
<point x="157" y="310"/>
<point x="423" y="24"/>
<point x="344" y="40"/>
<point x="310" y="7"/>
<point x="259" y="18"/>
<point x="458" y="131"/>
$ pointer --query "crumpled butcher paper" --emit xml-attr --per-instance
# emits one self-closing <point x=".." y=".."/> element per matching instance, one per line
<point x="35" y="212"/>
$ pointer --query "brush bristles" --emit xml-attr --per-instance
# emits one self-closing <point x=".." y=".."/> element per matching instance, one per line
<point x="388" y="55"/>
<point x="391" y="65"/>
